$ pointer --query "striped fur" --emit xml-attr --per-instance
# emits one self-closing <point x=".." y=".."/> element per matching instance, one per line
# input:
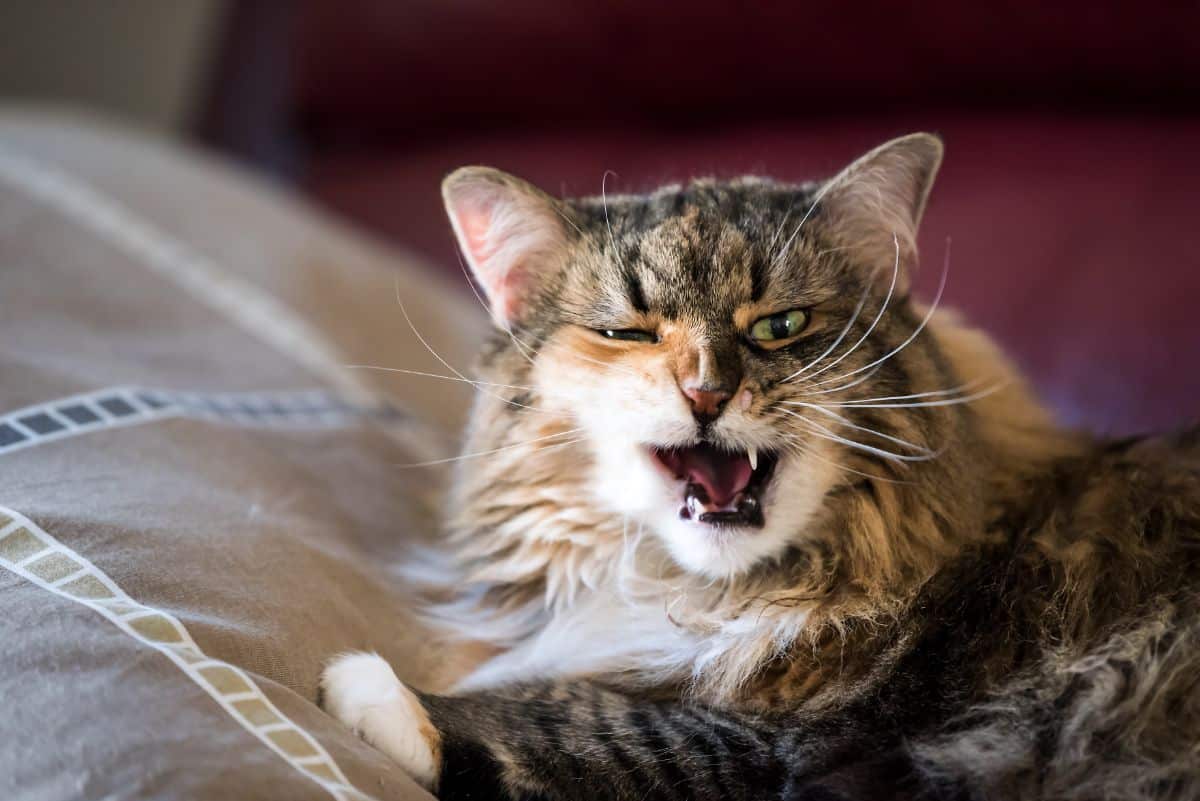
<point x="1012" y="617"/>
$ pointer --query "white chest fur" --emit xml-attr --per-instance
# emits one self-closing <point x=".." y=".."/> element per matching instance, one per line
<point x="606" y="632"/>
<point x="600" y="633"/>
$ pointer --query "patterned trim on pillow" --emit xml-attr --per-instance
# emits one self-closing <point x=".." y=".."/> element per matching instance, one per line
<point x="116" y="407"/>
<point x="30" y="552"/>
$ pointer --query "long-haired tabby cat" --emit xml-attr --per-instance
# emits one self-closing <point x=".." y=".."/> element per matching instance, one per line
<point x="749" y="521"/>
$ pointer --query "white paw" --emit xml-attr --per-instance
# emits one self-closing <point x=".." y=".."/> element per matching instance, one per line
<point x="362" y="691"/>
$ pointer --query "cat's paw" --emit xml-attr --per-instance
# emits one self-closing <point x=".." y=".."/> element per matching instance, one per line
<point x="362" y="691"/>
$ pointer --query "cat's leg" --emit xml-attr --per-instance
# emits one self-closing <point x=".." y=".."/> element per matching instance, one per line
<point x="557" y="740"/>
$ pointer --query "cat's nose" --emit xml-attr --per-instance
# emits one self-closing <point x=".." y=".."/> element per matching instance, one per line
<point x="706" y="401"/>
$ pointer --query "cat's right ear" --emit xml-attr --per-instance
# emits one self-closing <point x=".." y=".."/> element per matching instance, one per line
<point x="511" y="233"/>
<point x="875" y="204"/>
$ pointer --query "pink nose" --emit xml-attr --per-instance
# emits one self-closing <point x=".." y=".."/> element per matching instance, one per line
<point x="706" y="403"/>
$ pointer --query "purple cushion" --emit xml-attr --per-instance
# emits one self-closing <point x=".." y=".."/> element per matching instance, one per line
<point x="1073" y="239"/>
<point x="378" y="70"/>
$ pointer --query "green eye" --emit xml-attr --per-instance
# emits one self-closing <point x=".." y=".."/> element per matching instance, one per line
<point x="629" y="335"/>
<point x="784" y="325"/>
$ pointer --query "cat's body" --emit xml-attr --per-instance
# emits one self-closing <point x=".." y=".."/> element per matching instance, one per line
<point x="750" y="523"/>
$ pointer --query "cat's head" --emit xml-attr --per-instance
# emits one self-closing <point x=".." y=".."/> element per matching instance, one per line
<point x="727" y="352"/>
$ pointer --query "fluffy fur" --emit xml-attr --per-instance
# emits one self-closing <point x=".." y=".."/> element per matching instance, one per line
<point x="948" y="596"/>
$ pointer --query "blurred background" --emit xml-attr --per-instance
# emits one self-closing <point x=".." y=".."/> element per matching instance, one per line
<point x="1071" y="190"/>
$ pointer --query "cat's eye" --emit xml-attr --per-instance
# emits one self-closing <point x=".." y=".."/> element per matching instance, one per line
<point x="779" y="327"/>
<point x="629" y="335"/>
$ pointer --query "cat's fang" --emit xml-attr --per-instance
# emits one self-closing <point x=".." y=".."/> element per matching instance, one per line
<point x="752" y="455"/>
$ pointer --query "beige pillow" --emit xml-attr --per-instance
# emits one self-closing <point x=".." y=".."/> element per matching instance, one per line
<point x="199" y="502"/>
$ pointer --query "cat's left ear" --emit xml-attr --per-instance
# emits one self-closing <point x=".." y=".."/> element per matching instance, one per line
<point x="511" y="233"/>
<point x="878" y="200"/>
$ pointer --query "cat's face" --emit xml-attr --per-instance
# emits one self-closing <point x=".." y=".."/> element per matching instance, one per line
<point x="704" y="340"/>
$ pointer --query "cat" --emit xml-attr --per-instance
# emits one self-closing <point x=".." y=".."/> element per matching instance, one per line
<point x="742" y="519"/>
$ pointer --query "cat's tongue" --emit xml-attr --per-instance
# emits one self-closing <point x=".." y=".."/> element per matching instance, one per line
<point x="723" y="475"/>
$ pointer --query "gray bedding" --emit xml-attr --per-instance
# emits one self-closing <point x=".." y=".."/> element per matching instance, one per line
<point x="199" y="502"/>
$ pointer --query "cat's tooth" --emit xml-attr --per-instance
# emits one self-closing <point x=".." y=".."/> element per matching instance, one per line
<point x="753" y="454"/>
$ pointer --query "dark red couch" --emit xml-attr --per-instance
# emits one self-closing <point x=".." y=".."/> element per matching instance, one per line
<point x="1071" y="190"/>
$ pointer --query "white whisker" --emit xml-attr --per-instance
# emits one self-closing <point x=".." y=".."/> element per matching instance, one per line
<point x="808" y="453"/>
<point x="816" y="200"/>
<point x="501" y="449"/>
<point x="853" y="319"/>
<point x="607" y="223"/>
<point x="567" y="220"/>
<point x="881" y="452"/>
<point x="921" y="404"/>
<point x="783" y="223"/>
<point x="928" y="316"/>
<point x="933" y="393"/>
<point x="830" y="413"/>
<point x="447" y="364"/>
<point x="520" y="346"/>
<point x="470" y="381"/>
<point x="512" y="331"/>
<point x="771" y="246"/>
<point x="821" y="253"/>
<point x="843" y="387"/>
<point x="525" y="350"/>
<point x="878" y="317"/>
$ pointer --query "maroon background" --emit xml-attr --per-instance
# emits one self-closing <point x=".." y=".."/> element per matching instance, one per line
<point x="1071" y="190"/>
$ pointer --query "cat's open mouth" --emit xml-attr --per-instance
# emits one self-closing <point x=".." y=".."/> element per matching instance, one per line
<point x="721" y="488"/>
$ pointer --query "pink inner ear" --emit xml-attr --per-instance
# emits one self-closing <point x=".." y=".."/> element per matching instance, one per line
<point x="500" y="278"/>
<point x="474" y="224"/>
